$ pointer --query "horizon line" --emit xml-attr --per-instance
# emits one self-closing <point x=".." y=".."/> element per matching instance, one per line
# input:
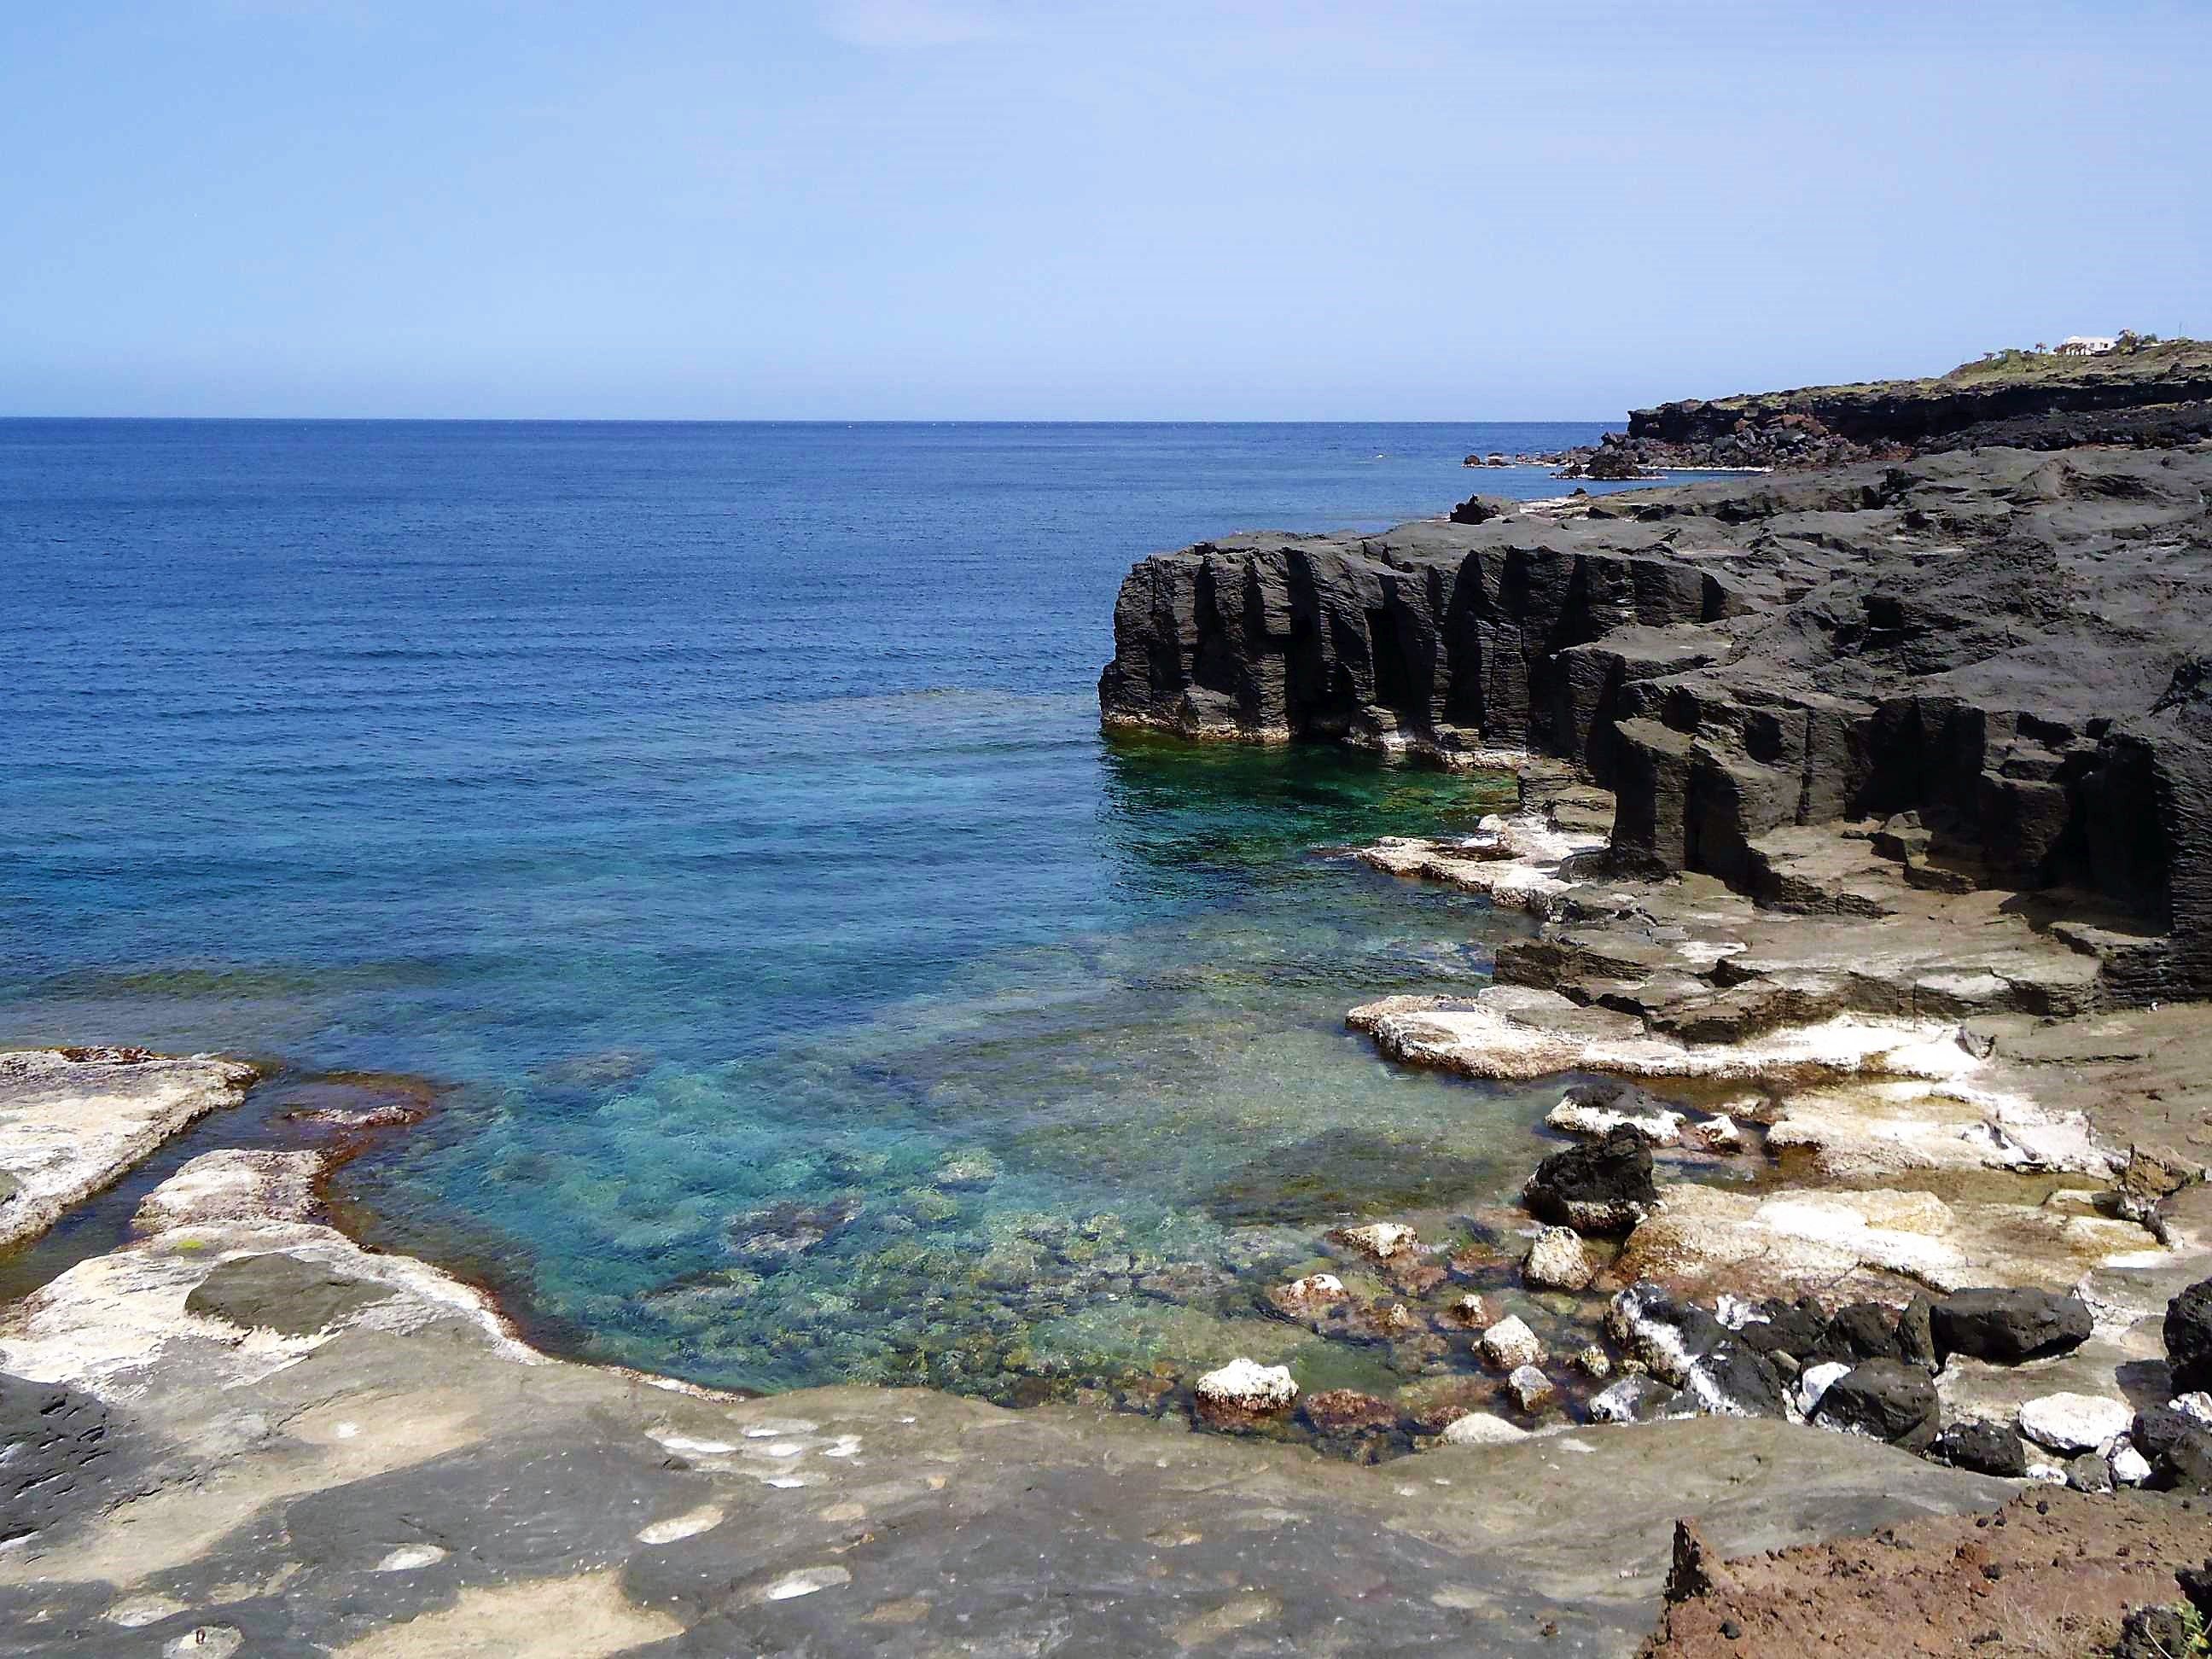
<point x="771" y="420"/>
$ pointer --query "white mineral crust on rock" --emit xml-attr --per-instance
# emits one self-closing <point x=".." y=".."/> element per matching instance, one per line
<point x="1379" y="1240"/>
<point x="1558" y="1261"/>
<point x="1481" y="1428"/>
<point x="1247" y="1385"/>
<point x="2076" y="1423"/>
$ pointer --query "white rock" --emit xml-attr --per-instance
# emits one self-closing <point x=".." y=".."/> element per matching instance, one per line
<point x="2130" y="1466"/>
<point x="1661" y="1129"/>
<point x="2197" y="1405"/>
<point x="1558" y="1262"/>
<point x="1736" y="1312"/>
<point x="1719" y="1135"/>
<point x="1380" y="1240"/>
<point x="1509" y="1345"/>
<point x="1595" y="1361"/>
<point x="1531" y="1389"/>
<point x="1815" y="1381"/>
<point x="1481" y="1428"/>
<point x="2052" y="1474"/>
<point x="1471" y="1309"/>
<point x="2074" y="1423"/>
<point x="1316" y="1287"/>
<point x="1247" y="1385"/>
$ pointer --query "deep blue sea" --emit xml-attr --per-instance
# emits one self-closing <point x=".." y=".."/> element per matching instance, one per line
<point x="718" y="817"/>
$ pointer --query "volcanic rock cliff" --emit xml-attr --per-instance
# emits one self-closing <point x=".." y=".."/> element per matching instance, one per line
<point x="1996" y="662"/>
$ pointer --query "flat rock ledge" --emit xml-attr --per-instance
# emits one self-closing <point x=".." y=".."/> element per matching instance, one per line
<point x="73" y="1119"/>
<point x="304" y="1446"/>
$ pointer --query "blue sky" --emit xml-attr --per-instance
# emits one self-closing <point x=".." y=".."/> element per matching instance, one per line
<point x="946" y="209"/>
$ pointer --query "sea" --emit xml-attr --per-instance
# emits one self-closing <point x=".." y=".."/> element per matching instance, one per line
<point x="702" y="836"/>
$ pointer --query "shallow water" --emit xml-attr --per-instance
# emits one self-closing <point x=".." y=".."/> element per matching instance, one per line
<point x="722" y="811"/>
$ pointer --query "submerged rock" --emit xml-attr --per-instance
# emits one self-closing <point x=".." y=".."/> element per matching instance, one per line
<point x="1347" y="1410"/>
<point x="1602" y="1188"/>
<point x="776" y="1235"/>
<point x="2008" y="1325"/>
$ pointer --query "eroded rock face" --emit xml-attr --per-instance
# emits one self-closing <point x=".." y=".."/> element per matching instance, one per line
<point x="1996" y="649"/>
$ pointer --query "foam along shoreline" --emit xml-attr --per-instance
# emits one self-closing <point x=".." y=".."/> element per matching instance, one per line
<point x="254" y="1435"/>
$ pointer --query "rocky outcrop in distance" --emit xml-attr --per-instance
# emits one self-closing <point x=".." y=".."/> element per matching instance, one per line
<point x="1992" y="663"/>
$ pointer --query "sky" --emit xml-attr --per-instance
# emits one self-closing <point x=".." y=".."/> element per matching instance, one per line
<point x="1173" y="209"/>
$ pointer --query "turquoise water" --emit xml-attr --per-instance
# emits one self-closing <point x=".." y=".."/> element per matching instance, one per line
<point x="721" y="813"/>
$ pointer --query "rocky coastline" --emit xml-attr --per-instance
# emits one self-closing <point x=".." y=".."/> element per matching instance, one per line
<point x="1861" y="816"/>
<point x="1860" y="832"/>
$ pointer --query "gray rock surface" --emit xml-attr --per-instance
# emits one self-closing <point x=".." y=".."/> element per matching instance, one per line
<point x="1999" y="647"/>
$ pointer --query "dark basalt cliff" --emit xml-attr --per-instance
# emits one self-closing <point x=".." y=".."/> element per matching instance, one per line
<point x="2015" y="648"/>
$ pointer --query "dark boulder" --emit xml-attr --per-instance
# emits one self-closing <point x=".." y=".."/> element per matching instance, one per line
<point x="2197" y="1587"/>
<point x="2189" y="1338"/>
<point x="2157" y="1427"/>
<point x="1860" y="1331"/>
<point x="52" y="1444"/>
<point x="1984" y="1447"/>
<point x="1683" y="1345"/>
<point x="1603" y="1188"/>
<point x="2185" y="1465"/>
<point x="1916" y="1334"/>
<point x="1790" y="1327"/>
<point x="1886" y="1398"/>
<point x="1481" y="509"/>
<point x="2008" y="1325"/>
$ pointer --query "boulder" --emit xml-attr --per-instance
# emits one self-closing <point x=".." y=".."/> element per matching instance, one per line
<point x="1986" y="1447"/>
<point x="2189" y="1337"/>
<point x="2130" y="1466"/>
<point x="2076" y="1423"/>
<point x="1686" y="1347"/>
<point x="1916" y="1334"/>
<point x="1559" y="1260"/>
<point x="1595" y="1363"/>
<point x="2185" y="1465"/>
<point x="2157" y="1427"/>
<point x="1637" y="1399"/>
<point x="1531" y="1389"/>
<point x="1886" y="1399"/>
<point x="1606" y="1188"/>
<point x="1860" y="1331"/>
<point x="1509" y="1344"/>
<point x="2088" y="1472"/>
<point x="1243" y="1391"/>
<point x="1305" y="1298"/>
<point x="2008" y="1325"/>
<point x="1481" y="509"/>
<point x="1812" y="1381"/>
<point x="1481" y="1428"/>
<point x="1598" y="1109"/>
<point x="1780" y="1327"/>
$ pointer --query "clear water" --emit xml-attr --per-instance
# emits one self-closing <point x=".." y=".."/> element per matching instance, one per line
<point x="721" y="811"/>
